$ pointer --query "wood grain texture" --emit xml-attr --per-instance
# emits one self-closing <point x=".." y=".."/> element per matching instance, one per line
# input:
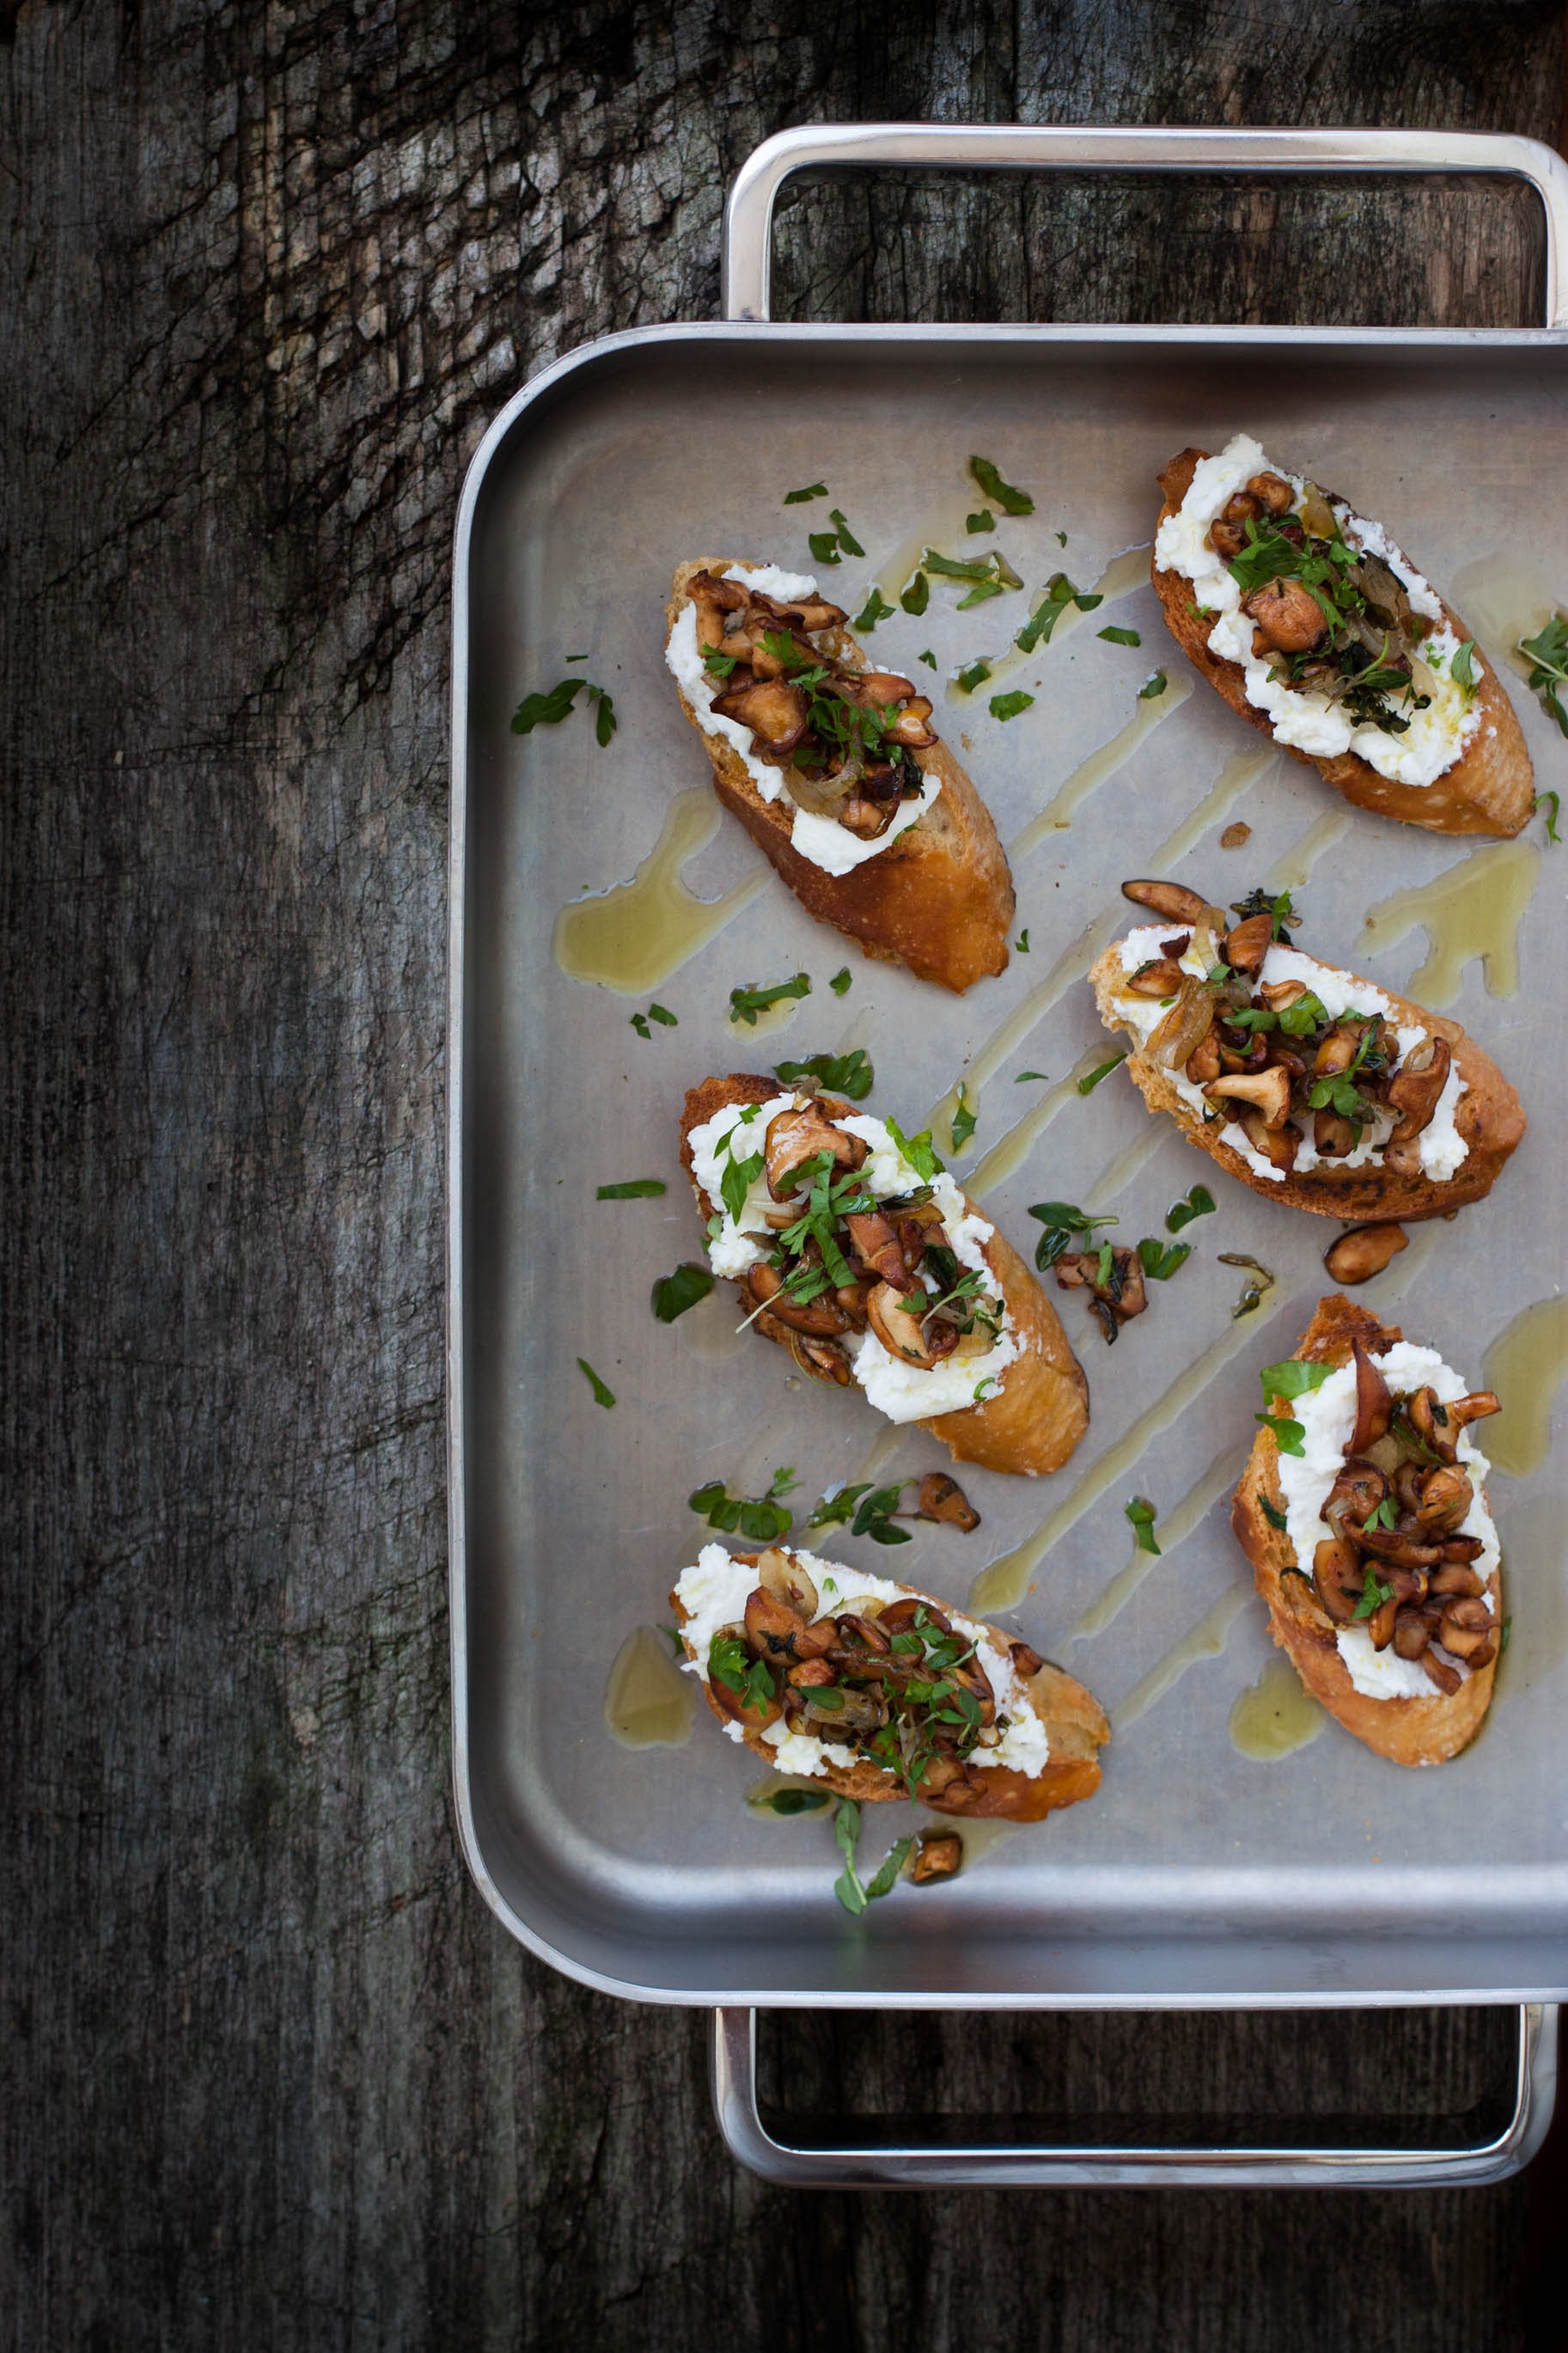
<point x="275" y="2076"/>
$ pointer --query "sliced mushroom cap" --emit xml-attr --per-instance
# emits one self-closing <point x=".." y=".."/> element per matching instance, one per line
<point x="1445" y="1500"/>
<point x="898" y="1617"/>
<point x="875" y="1243"/>
<point x="1025" y="1661"/>
<point x="1373" y="1403"/>
<point x="899" y="1332"/>
<point x="1173" y="902"/>
<point x="810" y="613"/>
<point x="1427" y="1417"/>
<point x="1411" y="1633"/>
<point x="814" y="1673"/>
<point x="1268" y="1092"/>
<point x="1336" y="1052"/>
<point x="781" y="1574"/>
<point x="1407" y="1548"/>
<point x="1413" y="1094"/>
<point x="1457" y="1576"/>
<point x="1159" y="977"/>
<point x="911" y="728"/>
<point x="860" y="1633"/>
<point x="1381" y="1625"/>
<point x="1365" y="1251"/>
<point x="1475" y="1407"/>
<point x="1277" y="1145"/>
<point x="943" y="1499"/>
<point x="821" y="1317"/>
<point x="1281" y="995"/>
<point x="1337" y="1579"/>
<point x="1288" y="615"/>
<point x="772" y="708"/>
<point x="1356" y="1493"/>
<point x="882" y="686"/>
<point x="1448" y="1678"/>
<point x="1334" y="1137"/>
<point x="1245" y="947"/>
<point x="773" y="1625"/>
<point x="712" y="589"/>
<point x="852" y="1710"/>
<point x="819" y="1359"/>
<point x="796" y="1138"/>
<point x="938" y="1854"/>
<point x="1273" y="493"/>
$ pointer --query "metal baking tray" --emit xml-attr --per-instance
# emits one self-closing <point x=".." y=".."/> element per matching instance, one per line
<point x="1198" y="1875"/>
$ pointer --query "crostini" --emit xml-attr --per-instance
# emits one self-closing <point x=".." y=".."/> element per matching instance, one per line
<point x="1313" y="1086"/>
<point x="852" y="1247"/>
<point x="882" y="1693"/>
<point x="1314" y="626"/>
<point x="1366" y="1522"/>
<point x="835" y="771"/>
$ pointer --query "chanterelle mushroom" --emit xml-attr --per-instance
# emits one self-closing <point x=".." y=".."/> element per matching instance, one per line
<point x="1268" y="1092"/>
<point x="795" y="1138"/>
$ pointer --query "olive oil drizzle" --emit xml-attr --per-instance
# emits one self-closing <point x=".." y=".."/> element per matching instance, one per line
<point x="1175" y="1527"/>
<point x="1525" y="1365"/>
<point x="1122" y="576"/>
<point x="1471" y="911"/>
<point x="1206" y="1640"/>
<point x="1100" y="765"/>
<point x="1276" y="1715"/>
<point x="633" y="936"/>
<point x="648" y="1702"/>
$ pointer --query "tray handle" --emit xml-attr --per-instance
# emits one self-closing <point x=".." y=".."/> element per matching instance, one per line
<point x="746" y="270"/>
<point x="872" y="2163"/>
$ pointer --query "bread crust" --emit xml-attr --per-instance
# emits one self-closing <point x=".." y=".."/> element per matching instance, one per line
<point x="938" y="899"/>
<point x="1405" y="1731"/>
<point x="1490" y="1118"/>
<point x="1076" y="1729"/>
<point x="1491" y="787"/>
<point x="1040" y="1411"/>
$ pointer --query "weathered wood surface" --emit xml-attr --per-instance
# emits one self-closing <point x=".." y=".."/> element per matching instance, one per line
<point x="275" y="2076"/>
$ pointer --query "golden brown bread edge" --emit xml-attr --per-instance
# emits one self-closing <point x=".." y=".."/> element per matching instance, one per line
<point x="1405" y="1731"/>
<point x="1076" y="1729"/>
<point x="1490" y="1118"/>
<point x="1041" y="1411"/>
<point x="1489" y="789"/>
<point x="938" y="899"/>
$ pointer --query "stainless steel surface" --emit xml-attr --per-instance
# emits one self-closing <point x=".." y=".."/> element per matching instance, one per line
<point x="1196" y="1877"/>
<point x="869" y="2158"/>
<point x="747" y="266"/>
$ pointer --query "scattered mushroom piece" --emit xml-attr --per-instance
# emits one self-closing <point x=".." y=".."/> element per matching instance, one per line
<point x="943" y="1499"/>
<point x="1373" y="1403"/>
<point x="1362" y="1252"/>
<point x="772" y="708"/>
<point x="1172" y="901"/>
<point x="1245" y="947"/>
<point x="875" y="1241"/>
<point x="796" y="1138"/>
<point x="821" y="1317"/>
<point x="819" y="1359"/>
<point x="1159" y="977"/>
<point x="938" y="1854"/>
<point x="1336" y="1577"/>
<point x="1117" y="1299"/>
<point x="906" y="1334"/>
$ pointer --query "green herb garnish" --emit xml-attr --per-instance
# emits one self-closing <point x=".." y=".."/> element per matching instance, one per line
<point x="1143" y="1515"/>
<point x="1060" y="594"/>
<point x="799" y="498"/>
<point x="662" y="1014"/>
<point x="1294" y="1377"/>
<point x="928" y="658"/>
<point x="866" y="1510"/>
<point x="730" y="1663"/>
<point x="1043" y="1075"/>
<point x="636" y="1188"/>
<point x="840" y="982"/>
<point x="745" y="1004"/>
<point x="796" y="1801"/>
<point x="847" y="539"/>
<point x="842" y="1074"/>
<point x="549" y="709"/>
<point x="916" y="1149"/>
<point x="1552" y="803"/>
<point x="672" y="1294"/>
<point x="824" y="545"/>
<point x="1197" y="1203"/>
<point x="1087" y="1086"/>
<point x="763" y="1518"/>
<point x="1022" y="942"/>
<point x="983" y="521"/>
<point x="1272" y="1513"/>
<point x="973" y="677"/>
<point x="1548" y="652"/>
<point x="1010" y="500"/>
<point x="1159" y="1260"/>
<point x="1120" y="637"/>
<point x="1373" y="1595"/>
<point x="1061" y="1220"/>
<point x="602" y="1396"/>
<point x="916" y="597"/>
<point x="1462" y="668"/>
<point x="1503" y="1633"/>
<point x="640" y="1023"/>
<point x="876" y="609"/>
<point x="1152" y="686"/>
<point x="1008" y="706"/>
<point x="963" y="1122"/>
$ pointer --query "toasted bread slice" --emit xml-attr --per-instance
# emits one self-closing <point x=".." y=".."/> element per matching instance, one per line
<point x="1490" y="1119"/>
<point x="1040" y="1411"/>
<point x="1490" y="788"/>
<point x="1405" y="1731"/>
<point x="938" y="899"/>
<point x="1076" y="1729"/>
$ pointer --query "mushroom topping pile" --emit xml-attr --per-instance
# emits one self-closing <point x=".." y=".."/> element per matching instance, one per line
<point x="1328" y="618"/>
<point x="1269" y="1058"/>
<point x="843" y="1263"/>
<point x="1395" y="1561"/>
<point x="892" y="1682"/>
<point x="843" y="738"/>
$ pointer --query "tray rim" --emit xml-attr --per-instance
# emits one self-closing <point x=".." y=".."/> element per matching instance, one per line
<point x="741" y="333"/>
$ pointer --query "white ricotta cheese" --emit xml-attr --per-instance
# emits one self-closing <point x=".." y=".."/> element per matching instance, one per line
<point x="902" y="1391"/>
<point x="821" y="840"/>
<point x="1442" y="1148"/>
<point x="1327" y="1417"/>
<point x="713" y="1593"/>
<point x="1306" y="721"/>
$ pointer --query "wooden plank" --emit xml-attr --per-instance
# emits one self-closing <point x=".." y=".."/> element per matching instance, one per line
<point x="275" y="2075"/>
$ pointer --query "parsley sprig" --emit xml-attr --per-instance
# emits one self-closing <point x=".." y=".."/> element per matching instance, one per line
<point x="763" y="1518"/>
<point x="1548" y="653"/>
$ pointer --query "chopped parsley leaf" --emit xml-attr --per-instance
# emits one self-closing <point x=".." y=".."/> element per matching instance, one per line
<point x="916" y="597"/>
<point x="672" y="1294"/>
<point x="636" y="1188"/>
<point x="1010" y="500"/>
<point x="602" y="1396"/>
<point x="963" y="1119"/>
<point x="1198" y="1203"/>
<point x="1008" y="706"/>
<point x="1120" y="637"/>
<point x="841" y="981"/>
<point x="745" y="1004"/>
<point x="1152" y="686"/>
<point x="876" y="609"/>
<point x="848" y="1074"/>
<point x="799" y="498"/>
<point x="1086" y="1086"/>
<point x="1143" y="1515"/>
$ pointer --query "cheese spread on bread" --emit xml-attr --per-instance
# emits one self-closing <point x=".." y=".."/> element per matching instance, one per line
<point x="1422" y="732"/>
<point x="1441" y="1147"/>
<point x="821" y="839"/>
<point x="714" y="1592"/>
<point x="1326" y="1416"/>
<point x="902" y="1390"/>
